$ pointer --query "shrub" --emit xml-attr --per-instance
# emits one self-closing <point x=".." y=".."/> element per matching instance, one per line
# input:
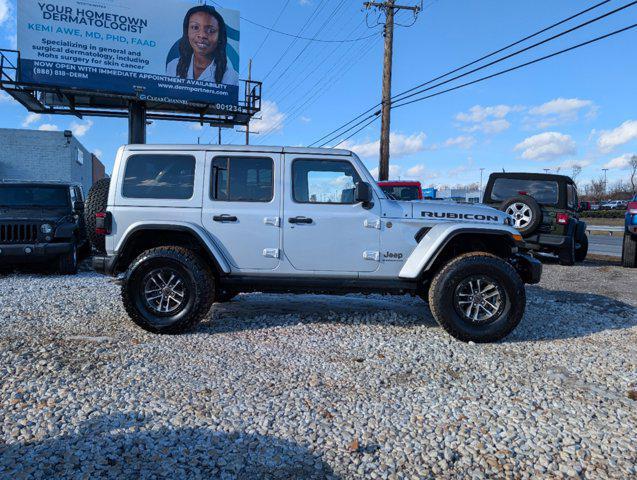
<point x="603" y="214"/>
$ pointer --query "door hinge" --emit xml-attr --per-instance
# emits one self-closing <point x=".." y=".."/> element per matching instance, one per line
<point x="373" y="256"/>
<point x="272" y="253"/>
<point x="274" y="221"/>
<point x="373" y="224"/>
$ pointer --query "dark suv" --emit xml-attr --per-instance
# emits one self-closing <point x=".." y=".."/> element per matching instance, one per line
<point x="42" y="222"/>
<point x="545" y="210"/>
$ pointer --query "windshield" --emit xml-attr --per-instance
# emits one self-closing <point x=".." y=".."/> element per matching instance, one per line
<point x="33" y="196"/>
<point x="402" y="193"/>
<point x="544" y="192"/>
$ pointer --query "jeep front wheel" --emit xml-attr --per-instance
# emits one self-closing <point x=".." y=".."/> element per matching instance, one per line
<point x="629" y="252"/>
<point x="477" y="297"/>
<point x="168" y="290"/>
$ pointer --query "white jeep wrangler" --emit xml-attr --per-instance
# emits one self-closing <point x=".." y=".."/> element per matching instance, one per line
<point x="188" y="226"/>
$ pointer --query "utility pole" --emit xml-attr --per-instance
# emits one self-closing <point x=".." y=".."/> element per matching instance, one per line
<point x="605" y="170"/>
<point x="248" y="99"/>
<point x="390" y="8"/>
<point x="481" y="174"/>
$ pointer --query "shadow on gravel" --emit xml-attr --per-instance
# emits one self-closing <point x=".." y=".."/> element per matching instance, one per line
<point x="121" y="447"/>
<point x="258" y="311"/>
<point x="602" y="313"/>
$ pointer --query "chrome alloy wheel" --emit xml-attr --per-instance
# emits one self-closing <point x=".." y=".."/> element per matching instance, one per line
<point x="521" y="213"/>
<point x="164" y="291"/>
<point x="479" y="299"/>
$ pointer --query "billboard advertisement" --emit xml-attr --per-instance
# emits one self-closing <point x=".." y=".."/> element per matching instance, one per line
<point x="171" y="51"/>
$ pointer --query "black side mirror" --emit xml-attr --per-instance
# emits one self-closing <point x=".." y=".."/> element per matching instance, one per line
<point x="78" y="206"/>
<point x="364" y="194"/>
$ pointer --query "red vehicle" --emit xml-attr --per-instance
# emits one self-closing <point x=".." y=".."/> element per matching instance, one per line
<point x="402" y="190"/>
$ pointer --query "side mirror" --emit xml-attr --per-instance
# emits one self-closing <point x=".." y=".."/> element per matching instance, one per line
<point x="364" y="194"/>
<point x="78" y="206"/>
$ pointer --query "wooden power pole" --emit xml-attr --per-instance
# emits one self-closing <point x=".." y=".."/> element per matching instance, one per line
<point x="390" y="8"/>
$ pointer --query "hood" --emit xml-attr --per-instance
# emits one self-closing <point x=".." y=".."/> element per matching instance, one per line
<point x="450" y="211"/>
<point x="33" y="214"/>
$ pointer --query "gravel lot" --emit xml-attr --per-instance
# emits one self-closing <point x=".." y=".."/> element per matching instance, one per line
<point x="318" y="387"/>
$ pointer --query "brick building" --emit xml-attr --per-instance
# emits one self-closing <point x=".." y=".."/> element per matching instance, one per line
<point x="47" y="156"/>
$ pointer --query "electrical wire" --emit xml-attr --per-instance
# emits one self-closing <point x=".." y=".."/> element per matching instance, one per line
<point x="265" y="39"/>
<point x="484" y="57"/>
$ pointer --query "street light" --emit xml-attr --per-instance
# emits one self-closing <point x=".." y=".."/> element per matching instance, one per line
<point x="605" y="170"/>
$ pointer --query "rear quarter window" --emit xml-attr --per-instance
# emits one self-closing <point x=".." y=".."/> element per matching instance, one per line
<point x="543" y="191"/>
<point x="154" y="176"/>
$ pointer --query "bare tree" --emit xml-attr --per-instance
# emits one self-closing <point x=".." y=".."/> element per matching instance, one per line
<point x="577" y="169"/>
<point x="598" y="188"/>
<point x="633" y="176"/>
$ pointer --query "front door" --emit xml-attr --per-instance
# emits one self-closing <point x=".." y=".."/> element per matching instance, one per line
<point x="241" y="208"/>
<point x="324" y="228"/>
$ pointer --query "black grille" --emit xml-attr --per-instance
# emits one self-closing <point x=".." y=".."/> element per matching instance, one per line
<point x="18" y="232"/>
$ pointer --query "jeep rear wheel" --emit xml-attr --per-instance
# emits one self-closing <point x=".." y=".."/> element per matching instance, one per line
<point x="526" y="213"/>
<point x="168" y="290"/>
<point x="629" y="252"/>
<point x="566" y="255"/>
<point x="581" y="249"/>
<point x="477" y="297"/>
<point x="96" y="202"/>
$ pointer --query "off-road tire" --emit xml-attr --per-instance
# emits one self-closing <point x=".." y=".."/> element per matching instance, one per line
<point x="448" y="279"/>
<point x="581" y="249"/>
<point x="534" y="207"/>
<point x="68" y="263"/>
<point x="629" y="252"/>
<point x="224" y="296"/>
<point x="96" y="202"/>
<point x="198" y="284"/>
<point x="567" y="255"/>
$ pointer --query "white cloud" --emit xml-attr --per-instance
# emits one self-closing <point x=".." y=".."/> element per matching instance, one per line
<point x="560" y="111"/>
<point x="459" y="170"/>
<point x="305" y="119"/>
<point x="48" y="127"/>
<point x="478" y="113"/>
<point x="305" y="2"/>
<point x="422" y="173"/>
<point x="5" y="11"/>
<point x="490" y="127"/>
<point x="98" y="153"/>
<point x="575" y="163"/>
<point x="395" y="172"/>
<point x="30" y="119"/>
<point x="462" y="141"/>
<point x="399" y="145"/>
<point x="611" y="139"/>
<point x="271" y="119"/>
<point x="81" y="129"/>
<point x="6" y="98"/>
<point x="13" y="41"/>
<point x="547" y="146"/>
<point x="197" y="127"/>
<point x="620" y="163"/>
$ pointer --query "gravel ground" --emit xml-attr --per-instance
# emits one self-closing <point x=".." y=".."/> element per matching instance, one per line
<point x="286" y="386"/>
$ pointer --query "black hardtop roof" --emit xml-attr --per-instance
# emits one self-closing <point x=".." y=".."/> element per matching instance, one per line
<point x="532" y="176"/>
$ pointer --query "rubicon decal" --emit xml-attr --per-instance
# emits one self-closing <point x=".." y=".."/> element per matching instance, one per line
<point x="460" y="216"/>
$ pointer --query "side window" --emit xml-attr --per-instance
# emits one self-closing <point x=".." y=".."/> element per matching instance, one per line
<point x="79" y="194"/>
<point x="169" y="177"/>
<point x="324" y="181"/>
<point x="73" y="195"/>
<point x="242" y="179"/>
<point x="571" y="194"/>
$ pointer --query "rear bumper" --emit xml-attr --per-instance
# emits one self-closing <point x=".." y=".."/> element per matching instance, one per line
<point x="529" y="269"/>
<point x="104" y="264"/>
<point x="25" y="253"/>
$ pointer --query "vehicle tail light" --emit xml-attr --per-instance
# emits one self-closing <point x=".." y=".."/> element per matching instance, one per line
<point x="562" y="218"/>
<point x="103" y="222"/>
<point x="632" y="207"/>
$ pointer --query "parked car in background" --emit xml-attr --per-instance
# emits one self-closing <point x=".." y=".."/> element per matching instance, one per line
<point x="545" y="210"/>
<point x="595" y="206"/>
<point x="42" y="223"/>
<point x="402" y="190"/>
<point x="614" y="205"/>
<point x="629" y="251"/>
<point x="585" y="206"/>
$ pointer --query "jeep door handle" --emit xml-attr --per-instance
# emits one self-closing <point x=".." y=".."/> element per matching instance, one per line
<point x="225" y="218"/>
<point x="303" y="220"/>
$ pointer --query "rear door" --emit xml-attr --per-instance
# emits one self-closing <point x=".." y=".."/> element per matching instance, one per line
<point x="241" y="208"/>
<point x="324" y="228"/>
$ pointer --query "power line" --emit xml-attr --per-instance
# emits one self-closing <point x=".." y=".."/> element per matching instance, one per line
<point x="265" y="39"/>
<point x="297" y="36"/>
<point x="528" y="37"/>
<point x="502" y="72"/>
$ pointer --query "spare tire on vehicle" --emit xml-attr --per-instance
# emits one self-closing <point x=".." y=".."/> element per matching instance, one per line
<point x="526" y="213"/>
<point x="96" y="203"/>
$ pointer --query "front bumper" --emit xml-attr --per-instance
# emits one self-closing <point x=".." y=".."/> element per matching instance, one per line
<point x="104" y="264"/>
<point x="529" y="269"/>
<point x="33" y="252"/>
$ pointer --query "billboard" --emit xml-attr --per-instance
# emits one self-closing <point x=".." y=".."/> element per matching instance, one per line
<point x="171" y="51"/>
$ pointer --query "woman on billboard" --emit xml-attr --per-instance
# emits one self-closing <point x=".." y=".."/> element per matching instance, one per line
<point x="202" y="49"/>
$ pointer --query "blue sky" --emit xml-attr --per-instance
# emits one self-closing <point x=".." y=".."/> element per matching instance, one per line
<point x="576" y="109"/>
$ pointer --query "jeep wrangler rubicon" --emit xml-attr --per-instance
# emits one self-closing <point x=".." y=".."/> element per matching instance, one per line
<point x="42" y="222"/>
<point x="188" y="226"/>
<point x="545" y="209"/>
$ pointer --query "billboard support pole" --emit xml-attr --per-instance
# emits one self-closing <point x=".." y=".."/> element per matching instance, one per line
<point x="136" y="122"/>
<point x="248" y="100"/>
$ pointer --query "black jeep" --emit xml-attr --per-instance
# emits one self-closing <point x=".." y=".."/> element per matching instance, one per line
<point x="545" y="209"/>
<point x="42" y="222"/>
